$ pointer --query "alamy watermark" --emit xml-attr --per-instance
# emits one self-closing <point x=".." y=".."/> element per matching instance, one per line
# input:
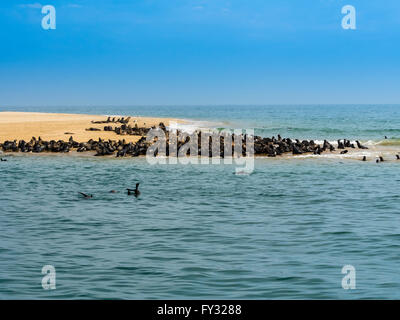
<point x="349" y="280"/>
<point x="349" y="20"/>
<point x="49" y="20"/>
<point x="49" y="280"/>
<point x="172" y="146"/>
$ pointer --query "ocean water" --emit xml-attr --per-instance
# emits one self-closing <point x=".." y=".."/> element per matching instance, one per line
<point x="332" y="122"/>
<point x="200" y="231"/>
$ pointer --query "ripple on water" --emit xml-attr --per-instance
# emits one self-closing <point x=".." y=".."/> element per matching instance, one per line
<point x="200" y="231"/>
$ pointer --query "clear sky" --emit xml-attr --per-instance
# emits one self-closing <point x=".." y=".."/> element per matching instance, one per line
<point x="164" y="52"/>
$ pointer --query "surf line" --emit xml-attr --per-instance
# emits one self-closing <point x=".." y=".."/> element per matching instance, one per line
<point x="169" y="310"/>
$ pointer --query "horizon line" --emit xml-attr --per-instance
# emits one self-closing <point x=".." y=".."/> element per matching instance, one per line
<point x="202" y="105"/>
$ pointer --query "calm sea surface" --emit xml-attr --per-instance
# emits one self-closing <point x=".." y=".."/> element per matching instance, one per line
<point x="200" y="231"/>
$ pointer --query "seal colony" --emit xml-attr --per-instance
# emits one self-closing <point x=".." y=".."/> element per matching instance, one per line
<point x="270" y="147"/>
<point x="127" y="137"/>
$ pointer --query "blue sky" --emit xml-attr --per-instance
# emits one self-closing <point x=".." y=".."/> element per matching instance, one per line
<point x="164" y="52"/>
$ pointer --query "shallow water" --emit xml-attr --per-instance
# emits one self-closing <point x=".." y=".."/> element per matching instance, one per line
<point x="200" y="231"/>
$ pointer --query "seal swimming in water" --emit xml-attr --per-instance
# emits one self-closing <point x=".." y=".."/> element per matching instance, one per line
<point x="86" y="196"/>
<point x="3" y="159"/>
<point x="135" y="192"/>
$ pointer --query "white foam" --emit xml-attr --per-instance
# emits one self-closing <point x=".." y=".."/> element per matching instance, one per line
<point x="191" y="126"/>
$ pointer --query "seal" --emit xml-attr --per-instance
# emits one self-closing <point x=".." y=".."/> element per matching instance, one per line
<point x="134" y="192"/>
<point x="86" y="196"/>
<point x="360" y="146"/>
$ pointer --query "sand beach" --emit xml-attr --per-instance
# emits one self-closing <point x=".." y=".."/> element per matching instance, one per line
<point x="61" y="126"/>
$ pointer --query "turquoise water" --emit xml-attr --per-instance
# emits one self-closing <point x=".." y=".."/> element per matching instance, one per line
<point x="200" y="231"/>
<point x="363" y="122"/>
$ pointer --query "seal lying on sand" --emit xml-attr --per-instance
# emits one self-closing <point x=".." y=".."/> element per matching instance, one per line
<point x="109" y="120"/>
<point x="360" y="146"/>
<point x="93" y="129"/>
